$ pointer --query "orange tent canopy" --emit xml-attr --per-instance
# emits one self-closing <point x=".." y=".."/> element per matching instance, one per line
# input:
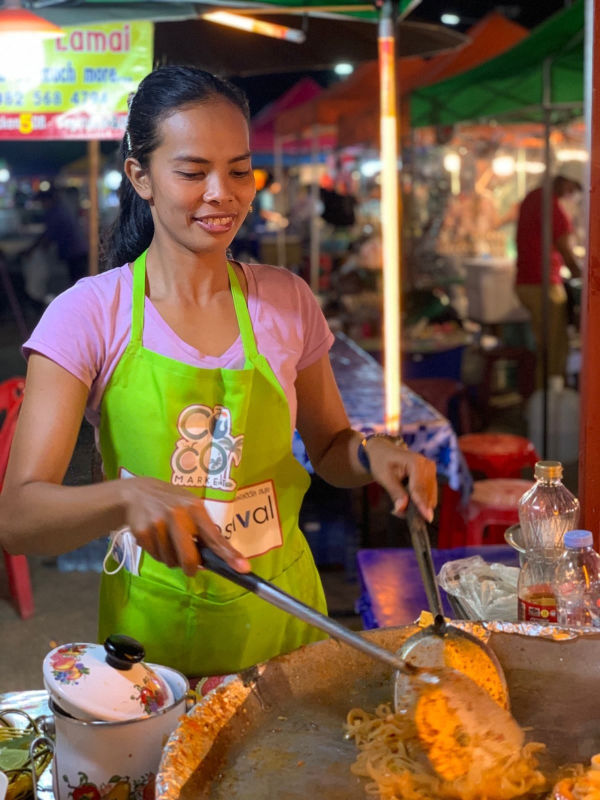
<point x="344" y="97"/>
<point x="353" y="104"/>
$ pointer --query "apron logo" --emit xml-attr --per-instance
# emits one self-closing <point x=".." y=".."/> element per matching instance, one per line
<point x="207" y="450"/>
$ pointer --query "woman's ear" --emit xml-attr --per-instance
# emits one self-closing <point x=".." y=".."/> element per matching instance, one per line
<point x="138" y="177"/>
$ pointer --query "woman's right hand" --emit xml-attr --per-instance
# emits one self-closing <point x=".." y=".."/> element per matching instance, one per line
<point x="168" y="520"/>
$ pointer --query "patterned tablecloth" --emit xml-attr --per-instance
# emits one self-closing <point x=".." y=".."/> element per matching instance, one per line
<point x="425" y="430"/>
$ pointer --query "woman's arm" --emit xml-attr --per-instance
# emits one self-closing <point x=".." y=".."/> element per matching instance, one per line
<point x="332" y="445"/>
<point x="39" y="515"/>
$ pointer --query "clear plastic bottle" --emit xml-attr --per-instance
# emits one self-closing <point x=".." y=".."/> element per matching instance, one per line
<point x="548" y="510"/>
<point x="577" y="581"/>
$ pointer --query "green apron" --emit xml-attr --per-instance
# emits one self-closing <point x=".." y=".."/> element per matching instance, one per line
<point x="225" y="435"/>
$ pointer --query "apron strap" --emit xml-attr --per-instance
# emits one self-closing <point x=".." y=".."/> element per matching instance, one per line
<point x="243" y="316"/>
<point x="138" y="298"/>
<point x="239" y="303"/>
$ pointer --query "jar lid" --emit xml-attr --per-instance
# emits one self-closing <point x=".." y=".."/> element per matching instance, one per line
<point x="578" y="539"/>
<point x="548" y="469"/>
<point x="105" y="682"/>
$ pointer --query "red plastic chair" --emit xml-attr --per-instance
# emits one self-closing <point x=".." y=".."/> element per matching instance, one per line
<point x="492" y="507"/>
<point x="501" y="457"/>
<point x="497" y="455"/>
<point x="17" y="569"/>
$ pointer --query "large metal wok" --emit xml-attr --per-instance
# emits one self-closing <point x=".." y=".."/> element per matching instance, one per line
<point x="280" y="734"/>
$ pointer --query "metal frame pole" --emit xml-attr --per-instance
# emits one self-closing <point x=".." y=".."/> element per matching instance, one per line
<point x="589" y="434"/>
<point x="547" y="240"/>
<point x="391" y="214"/>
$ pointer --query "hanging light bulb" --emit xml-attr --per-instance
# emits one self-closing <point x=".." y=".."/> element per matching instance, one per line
<point x="22" y="37"/>
<point x="244" y="23"/>
<point x="17" y="21"/>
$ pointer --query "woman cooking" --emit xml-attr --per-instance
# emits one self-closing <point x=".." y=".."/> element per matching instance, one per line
<point x="194" y="370"/>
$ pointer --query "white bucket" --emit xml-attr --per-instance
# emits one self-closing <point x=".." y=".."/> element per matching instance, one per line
<point x="563" y="423"/>
<point x="116" y="758"/>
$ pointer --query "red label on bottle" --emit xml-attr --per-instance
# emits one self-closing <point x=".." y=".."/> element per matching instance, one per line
<point x="535" y="612"/>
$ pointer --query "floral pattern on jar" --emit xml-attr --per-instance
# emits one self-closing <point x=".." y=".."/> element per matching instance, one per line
<point x="120" y="787"/>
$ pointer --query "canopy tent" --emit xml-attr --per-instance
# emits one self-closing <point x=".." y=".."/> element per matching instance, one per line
<point x="345" y="97"/>
<point x="540" y="79"/>
<point x="355" y="100"/>
<point x="262" y="126"/>
<point x="512" y="84"/>
<point x="489" y="37"/>
<point x="181" y="35"/>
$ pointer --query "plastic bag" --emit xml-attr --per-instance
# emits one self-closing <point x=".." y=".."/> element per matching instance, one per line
<point x="480" y="590"/>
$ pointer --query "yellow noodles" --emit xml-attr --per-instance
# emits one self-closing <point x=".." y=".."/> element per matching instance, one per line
<point x="391" y="755"/>
<point x="582" y="786"/>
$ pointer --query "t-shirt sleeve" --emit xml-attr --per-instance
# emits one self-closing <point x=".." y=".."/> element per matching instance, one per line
<point x="70" y="333"/>
<point x="317" y="336"/>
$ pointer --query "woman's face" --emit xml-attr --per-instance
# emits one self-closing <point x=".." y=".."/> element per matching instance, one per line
<point x="199" y="182"/>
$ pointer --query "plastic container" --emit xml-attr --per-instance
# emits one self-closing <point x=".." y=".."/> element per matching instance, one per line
<point x="577" y="582"/>
<point x="548" y="510"/>
<point x="563" y="420"/>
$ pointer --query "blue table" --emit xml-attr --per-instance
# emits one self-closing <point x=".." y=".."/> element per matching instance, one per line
<point x="392" y="592"/>
<point x="360" y="380"/>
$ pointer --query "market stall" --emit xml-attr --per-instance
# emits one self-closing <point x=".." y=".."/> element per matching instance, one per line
<point x="540" y="79"/>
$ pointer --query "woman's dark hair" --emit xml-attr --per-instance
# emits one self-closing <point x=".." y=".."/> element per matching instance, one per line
<point x="163" y="92"/>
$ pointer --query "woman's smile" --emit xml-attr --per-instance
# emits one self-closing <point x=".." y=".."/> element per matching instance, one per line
<point x="213" y="223"/>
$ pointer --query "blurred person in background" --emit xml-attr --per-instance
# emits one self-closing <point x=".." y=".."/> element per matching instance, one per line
<point x="530" y="268"/>
<point x="63" y="229"/>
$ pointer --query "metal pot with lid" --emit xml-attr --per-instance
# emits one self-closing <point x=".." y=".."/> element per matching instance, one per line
<point x="105" y="682"/>
<point x="112" y="714"/>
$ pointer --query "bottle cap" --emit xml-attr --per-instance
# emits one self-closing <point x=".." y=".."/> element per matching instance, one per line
<point x="578" y="539"/>
<point x="548" y="469"/>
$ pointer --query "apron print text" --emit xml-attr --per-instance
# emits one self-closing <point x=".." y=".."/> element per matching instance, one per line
<point x="207" y="449"/>
<point x="251" y="521"/>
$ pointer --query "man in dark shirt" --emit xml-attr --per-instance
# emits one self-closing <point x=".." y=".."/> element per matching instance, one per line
<point x="63" y="229"/>
<point x="529" y="269"/>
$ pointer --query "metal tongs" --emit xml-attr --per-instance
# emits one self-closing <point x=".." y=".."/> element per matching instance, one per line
<point x="472" y="706"/>
<point x="277" y="597"/>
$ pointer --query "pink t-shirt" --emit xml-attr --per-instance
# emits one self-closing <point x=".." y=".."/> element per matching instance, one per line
<point x="87" y="328"/>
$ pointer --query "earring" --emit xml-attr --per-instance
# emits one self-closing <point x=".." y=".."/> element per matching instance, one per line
<point x="250" y="207"/>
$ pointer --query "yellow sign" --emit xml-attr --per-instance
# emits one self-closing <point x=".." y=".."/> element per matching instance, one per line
<point x="75" y="87"/>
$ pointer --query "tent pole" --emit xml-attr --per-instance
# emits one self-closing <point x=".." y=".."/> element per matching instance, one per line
<point x="391" y="210"/>
<point x="547" y="218"/>
<point x="93" y="224"/>
<point x="589" y="435"/>
<point x="278" y="170"/>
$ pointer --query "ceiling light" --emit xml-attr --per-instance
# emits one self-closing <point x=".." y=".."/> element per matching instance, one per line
<point x="4" y="175"/>
<point x="572" y="154"/>
<point x="450" y="19"/>
<point x="252" y="25"/>
<point x="17" y="21"/>
<point x="112" y="180"/>
<point x="452" y="162"/>
<point x="503" y="166"/>
<point x="343" y="69"/>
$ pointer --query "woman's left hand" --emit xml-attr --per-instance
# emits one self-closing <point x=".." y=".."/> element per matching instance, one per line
<point x="392" y="465"/>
